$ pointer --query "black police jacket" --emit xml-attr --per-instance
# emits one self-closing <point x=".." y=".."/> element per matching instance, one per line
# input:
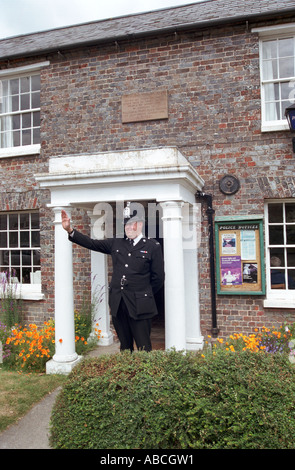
<point x="138" y="272"/>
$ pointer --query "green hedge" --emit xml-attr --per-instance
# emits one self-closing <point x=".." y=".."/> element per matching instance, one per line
<point x="171" y="400"/>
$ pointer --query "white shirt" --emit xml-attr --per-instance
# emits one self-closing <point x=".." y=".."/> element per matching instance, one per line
<point x="136" y="240"/>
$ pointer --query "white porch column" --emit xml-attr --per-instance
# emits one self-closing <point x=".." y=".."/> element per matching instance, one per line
<point x="191" y="241"/>
<point x="99" y="280"/>
<point x="65" y="357"/>
<point x="175" y="335"/>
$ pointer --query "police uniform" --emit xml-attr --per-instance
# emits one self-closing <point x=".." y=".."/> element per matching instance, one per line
<point x="138" y="273"/>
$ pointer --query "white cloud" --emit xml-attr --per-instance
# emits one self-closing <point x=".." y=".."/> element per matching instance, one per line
<point x="25" y="16"/>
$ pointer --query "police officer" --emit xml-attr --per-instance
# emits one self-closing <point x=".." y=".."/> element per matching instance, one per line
<point x="138" y="273"/>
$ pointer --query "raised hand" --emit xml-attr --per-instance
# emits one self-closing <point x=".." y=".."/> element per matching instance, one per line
<point x="66" y="221"/>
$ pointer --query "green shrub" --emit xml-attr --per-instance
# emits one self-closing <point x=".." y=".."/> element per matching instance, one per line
<point x="171" y="400"/>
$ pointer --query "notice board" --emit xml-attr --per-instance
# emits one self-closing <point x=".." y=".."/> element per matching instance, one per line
<point x="240" y="257"/>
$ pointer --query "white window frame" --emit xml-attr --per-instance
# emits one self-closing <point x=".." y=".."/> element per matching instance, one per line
<point x="29" y="291"/>
<point x="14" y="73"/>
<point x="269" y="33"/>
<point x="276" y="298"/>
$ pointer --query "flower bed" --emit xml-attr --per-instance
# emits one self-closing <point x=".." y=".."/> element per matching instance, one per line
<point x="30" y="347"/>
<point x="271" y="340"/>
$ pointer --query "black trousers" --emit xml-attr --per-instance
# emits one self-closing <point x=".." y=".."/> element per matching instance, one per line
<point x="130" y="330"/>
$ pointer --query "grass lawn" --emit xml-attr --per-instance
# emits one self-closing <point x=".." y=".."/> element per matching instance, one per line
<point x="20" y="391"/>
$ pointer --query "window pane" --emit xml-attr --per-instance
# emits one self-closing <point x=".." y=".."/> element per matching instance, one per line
<point x="291" y="278"/>
<point x="286" y="47"/>
<point x="25" y="84"/>
<point x="26" y="137"/>
<point x="15" y="258"/>
<point x="287" y="90"/>
<point x="14" y="86"/>
<point x="13" y="239"/>
<point x="36" y="118"/>
<point x="35" y="100"/>
<point x="276" y="236"/>
<point x="270" y="69"/>
<point x="290" y="213"/>
<point x="277" y="277"/>
<point x="13" y="222"/>
<point x="24" y="221"/>
<point x="15" y="273"/>
<point x="16" y="122"/>
<point x="291" y="257"/>
<point x="34" y="220"/>
<point x="272" y="91"/>
<point x="25" y="101"/>
<point x="6" y="258"/>
<point x="16" y="138"/>
<point x="272" y="111"/>
<point x="290" y="234"/>
<point x="36" y="258"/>
<point x="277" y="258"/>
<point x="35" y="239"/>
<point x="24" y="239"/>
<point x="35" y="82"/>
<point x="3" y="88"/>
<point x="3" y="222"/>
<point x="269" y="49"/>
<point x="275" y="213"/>
<point x="26" y="258"/>
<point x="3" y="239"/>
<point x="15" y="103"/>
<point x="36" y="136"/>
<point x="286" y="68"/>
<point x="26" y="120"/>
<point x="26" y="278"/>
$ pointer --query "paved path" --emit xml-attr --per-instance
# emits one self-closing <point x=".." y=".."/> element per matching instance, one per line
<point x="32" y="431"/>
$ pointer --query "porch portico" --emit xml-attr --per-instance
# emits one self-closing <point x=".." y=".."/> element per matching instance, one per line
<point x="162" y="175"/>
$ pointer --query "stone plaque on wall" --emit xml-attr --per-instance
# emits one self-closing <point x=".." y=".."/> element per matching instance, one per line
<point x="138" y="107"/>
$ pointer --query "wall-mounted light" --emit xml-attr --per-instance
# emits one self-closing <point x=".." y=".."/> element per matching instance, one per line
<point x="290" y="115"/>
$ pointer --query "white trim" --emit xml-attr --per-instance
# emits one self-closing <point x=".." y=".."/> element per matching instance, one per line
<point x="272" y="126"/>
<point x="275" y="298"/>
<point x="273" y="32"/>
<point x="266" y="31"/>
<point x="24" y="69"/>
<point x="26" y="292"/>
<point x="161" y="174"/>
<point x="278" y="303"/>
<point x="19" y="71"/>
<point x="20" y="151"/>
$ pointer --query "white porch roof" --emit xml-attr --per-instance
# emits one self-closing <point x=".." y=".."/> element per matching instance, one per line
<point x="159" y="174"/>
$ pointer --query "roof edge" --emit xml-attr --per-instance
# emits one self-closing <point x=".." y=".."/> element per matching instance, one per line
<point x="155" y="32"/>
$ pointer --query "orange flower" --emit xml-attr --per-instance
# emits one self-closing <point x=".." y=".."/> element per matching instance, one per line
<point x="60" y="340"/>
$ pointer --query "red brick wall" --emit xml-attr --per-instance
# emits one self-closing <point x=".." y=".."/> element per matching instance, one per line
<point x="213" y="84"/>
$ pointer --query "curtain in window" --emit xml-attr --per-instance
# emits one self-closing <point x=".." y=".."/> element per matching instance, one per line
<point x="270" y="72"/>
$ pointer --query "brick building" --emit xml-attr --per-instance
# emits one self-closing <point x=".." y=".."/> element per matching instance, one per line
<point x="179" y="109"/>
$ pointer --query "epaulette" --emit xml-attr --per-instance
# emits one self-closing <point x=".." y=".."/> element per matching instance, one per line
<point x="154" y="241"/>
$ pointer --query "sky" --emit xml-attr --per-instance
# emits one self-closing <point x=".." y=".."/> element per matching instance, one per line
<point x="27" y="16"/>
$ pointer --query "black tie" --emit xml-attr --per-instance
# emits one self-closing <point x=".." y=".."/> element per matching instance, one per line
<point x="130" y="241"/>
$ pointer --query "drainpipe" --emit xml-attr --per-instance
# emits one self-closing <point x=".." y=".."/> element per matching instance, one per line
<point x="210" y="211"/>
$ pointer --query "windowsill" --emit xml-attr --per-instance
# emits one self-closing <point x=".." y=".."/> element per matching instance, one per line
<point x="27" y="292"/>
<point x="272" y="127"/>
<point x="279" y="302"/>
<point x="32" y="295"/>
<point x="20" y="151"/>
